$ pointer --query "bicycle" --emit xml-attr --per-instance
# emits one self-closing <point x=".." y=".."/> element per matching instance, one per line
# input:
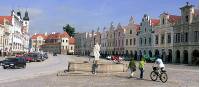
<point x="159" y="73"/>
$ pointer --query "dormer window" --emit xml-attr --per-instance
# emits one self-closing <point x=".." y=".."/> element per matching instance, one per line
<point x="130" y="31"/>
<point x="187" y="18"/>
<point x="163" y="21"/>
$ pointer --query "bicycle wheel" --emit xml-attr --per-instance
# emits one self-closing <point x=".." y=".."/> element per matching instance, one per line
<point x="163" y="77"/>
<point x="153" y="76"/>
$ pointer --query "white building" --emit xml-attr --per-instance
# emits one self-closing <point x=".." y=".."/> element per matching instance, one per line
<point x="16" y="32"/>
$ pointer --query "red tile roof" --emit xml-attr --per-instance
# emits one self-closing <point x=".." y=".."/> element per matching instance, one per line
<point x="9" y="18"/>
<point x="37" y="35"/>
<point x="174" y="18"/>
<point x="71" y="40"/>
<point x="58" y="35"/>
<point x="155" y="22"/>
<point x="55" y="36"/>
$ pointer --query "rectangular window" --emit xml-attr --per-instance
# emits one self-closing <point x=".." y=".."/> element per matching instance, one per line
<point x="178" y="37"/>
<point x="145" y="41"/>
<point x="182" y="37"/>
<point x="186" y="37"/>
<point x="116" y="43"/>
<point x="156" y="39"/>
<point x="126" y="42"/>
<point x="175" y="35"/>
<point x="119" y="43"/>
<point x="196" y="36"/>
<point x="141" y="41"/>
<point x="187" y="18"/>
<point x="122" y="42"/>
<point x="134" y="41"/>
<point x="130" y="41"/>
<point x="162" y="39"/>
<point x="169" y="38"/>
<point x="130" y="31"/>
<point x="149" y="41"/>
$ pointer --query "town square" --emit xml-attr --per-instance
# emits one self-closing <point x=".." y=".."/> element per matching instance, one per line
<point x="105" y="43"/>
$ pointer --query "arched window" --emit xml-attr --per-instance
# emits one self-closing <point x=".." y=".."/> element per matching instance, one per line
<point x="163" y="21"/>
<point x="186" y="18"/>
<point x="130" y="31"/>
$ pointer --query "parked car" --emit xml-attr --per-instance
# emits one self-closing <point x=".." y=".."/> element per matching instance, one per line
<point x="28" y="58"/>
<point x="116" y="59"/>
<point x="1" y="62"/>
<point x="18" y="55"/>
<point x="54" y="54"/>
<point x="37" y="57"/>
<point x="126" y="58"/>
<point x="150" y="59"/>
<point x="45" y="55"/>
<point x="108" y="57"/>
<point x="17" y="62"/>
<point x="92" y="54"/>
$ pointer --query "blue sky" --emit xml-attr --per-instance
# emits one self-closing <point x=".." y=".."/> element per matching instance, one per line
<point x="87" y="15"/>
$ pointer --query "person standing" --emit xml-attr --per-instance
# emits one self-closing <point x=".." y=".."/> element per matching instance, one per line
<point x="141" y="67"/>
<point x="132" y="67"/>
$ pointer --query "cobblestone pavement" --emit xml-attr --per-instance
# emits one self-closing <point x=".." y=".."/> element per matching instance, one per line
<point x="178" y="76"/>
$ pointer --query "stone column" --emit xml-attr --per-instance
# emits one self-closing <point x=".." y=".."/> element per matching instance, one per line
<point x="189" y="56"/>
<point x="181" y="56"/>
<point x="173" y="56"/>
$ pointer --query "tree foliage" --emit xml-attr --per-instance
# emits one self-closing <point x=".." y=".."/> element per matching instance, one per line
<point x="69" y="29"/>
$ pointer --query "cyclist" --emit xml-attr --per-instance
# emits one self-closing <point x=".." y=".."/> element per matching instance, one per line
<point x="159" y="63"/>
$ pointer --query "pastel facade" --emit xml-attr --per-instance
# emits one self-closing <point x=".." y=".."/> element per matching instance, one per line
<point x="119" y="35"/>
<point x="131" y="38"/>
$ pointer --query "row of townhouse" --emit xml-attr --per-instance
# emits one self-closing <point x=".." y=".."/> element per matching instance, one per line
<point x="173" y="38"/>
<point x="86" y="41"/>
<point x="14" y="33"/>
<point x="60" y="43"/>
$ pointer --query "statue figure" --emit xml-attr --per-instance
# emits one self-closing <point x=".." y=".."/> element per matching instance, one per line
<point x="96" y="51"/>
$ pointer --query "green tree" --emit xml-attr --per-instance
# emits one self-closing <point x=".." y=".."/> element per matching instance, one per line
<point x="69" y="29"/>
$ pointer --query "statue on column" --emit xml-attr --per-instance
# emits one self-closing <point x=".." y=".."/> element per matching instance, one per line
<point x="96" y="50"/>
<point x="96" y="53"/>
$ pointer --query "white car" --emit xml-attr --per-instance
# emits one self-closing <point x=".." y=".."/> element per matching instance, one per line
<point x="108" y="57"/>
<point x="121" y="58"/>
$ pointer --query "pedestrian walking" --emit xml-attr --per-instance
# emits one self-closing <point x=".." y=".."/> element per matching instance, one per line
<point x="141" y="67"/>
<point x="132" y="67"/>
